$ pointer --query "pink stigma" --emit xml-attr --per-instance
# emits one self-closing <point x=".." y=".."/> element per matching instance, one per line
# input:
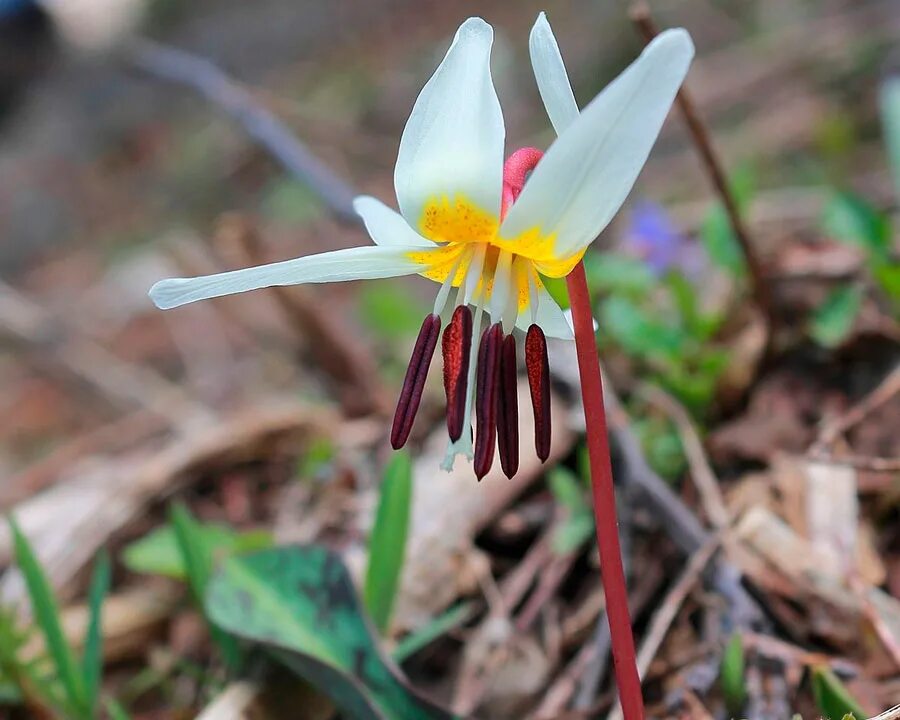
<point x="515" y="173"/>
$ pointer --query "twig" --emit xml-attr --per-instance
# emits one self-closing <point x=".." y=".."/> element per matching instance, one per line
<point x="677" y="519"/>
<point x="643" y="19"/>
<point x="860" y="462"/>
<point x="204" y="77"/>
<point x="342" y="358"/>
<point x="645" y="588"/>
<point x="885" y="390"/>
<point x="123" y="384"/>
<point x="701" y="471"/>
<point x="664" y="617"/>
<point x="113" y="436"/>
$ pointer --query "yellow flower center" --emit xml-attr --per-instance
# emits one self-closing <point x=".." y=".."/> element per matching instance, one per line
<point x="457" y="224"/>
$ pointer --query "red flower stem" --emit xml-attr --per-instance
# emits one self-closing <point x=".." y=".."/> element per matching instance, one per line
<point x="612" y="574"/>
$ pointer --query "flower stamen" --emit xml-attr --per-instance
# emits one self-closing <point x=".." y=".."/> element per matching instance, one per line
<point x="414" y="382"/>
<point x="486" y="391"/>
<point x="456" y="345"/>
<point x="538" y="366"/>
<point x="508" y="409"/>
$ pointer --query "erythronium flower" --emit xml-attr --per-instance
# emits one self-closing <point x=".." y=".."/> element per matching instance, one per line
<point x="470" y="222"/>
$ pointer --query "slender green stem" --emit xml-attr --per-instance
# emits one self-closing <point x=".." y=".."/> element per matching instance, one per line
<point x="612" y="573"/>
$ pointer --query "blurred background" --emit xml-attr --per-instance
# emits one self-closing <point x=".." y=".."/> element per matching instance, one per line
<point x="755" y="410"/>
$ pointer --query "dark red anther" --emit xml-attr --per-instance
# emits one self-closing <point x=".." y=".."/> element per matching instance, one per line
<point x="414" y="382"/>
<point x="508" y="409"/>
<point x="455" y="346"/>
<point x="538" y="367"/>
<point x="487" y="374"/>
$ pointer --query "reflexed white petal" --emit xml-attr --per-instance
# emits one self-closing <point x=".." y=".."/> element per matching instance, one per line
<point x="453" y="140"/>
<point x="584" y="178"/>
<point x="551" y="76"/>
<point x="360" y="263"/>
<point x="550" y="317"/>
<point x="385" y="226"/>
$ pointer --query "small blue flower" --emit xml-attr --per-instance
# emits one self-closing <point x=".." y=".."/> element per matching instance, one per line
<point x="653" y="237"/>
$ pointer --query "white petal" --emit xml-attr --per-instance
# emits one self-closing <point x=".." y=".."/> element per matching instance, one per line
<point x="360" y="263"/>
<point x="584" y="178"/>
<point x="550" y="317"/>
<point x="385" y="226"/>
<point x="550" y="73"/>
<point x="453" y="140"/>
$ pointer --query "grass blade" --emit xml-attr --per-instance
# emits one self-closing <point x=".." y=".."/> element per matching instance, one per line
<point x="387" y="544"/>
<point x="92" y="660"/>
<point x="442" y="624"/>
<point x="46" y="612"/>
<point x="197" y="555"/>
<point x="832" y="698"/>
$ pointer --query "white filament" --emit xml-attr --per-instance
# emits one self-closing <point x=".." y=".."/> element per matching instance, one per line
<point x="441" y="300"/>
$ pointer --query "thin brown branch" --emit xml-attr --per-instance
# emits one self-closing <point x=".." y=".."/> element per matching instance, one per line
<point x="64" y="350"/>
<point x="643" y="20"/>
<point x="701" y="471"/>
<point x="885" y="390"/>
<point x="665" y="615"/>
<point x="342" y="357"/>
<point x="860" y="462"/>
<point x="202" y="76"/>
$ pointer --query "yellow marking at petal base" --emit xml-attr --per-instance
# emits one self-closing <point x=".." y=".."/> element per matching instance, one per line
<point x="438" y="262"/>
<point x="457" y="221"/>
<point x="540" y="249"/>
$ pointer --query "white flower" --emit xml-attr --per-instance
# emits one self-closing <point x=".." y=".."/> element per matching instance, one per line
<point x="473" y="224"/>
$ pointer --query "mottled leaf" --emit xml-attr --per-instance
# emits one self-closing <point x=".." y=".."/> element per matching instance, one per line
<point x="300" y="603"/>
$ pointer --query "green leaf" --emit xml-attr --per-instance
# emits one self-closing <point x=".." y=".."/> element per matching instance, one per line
<point x="637" y="331"/>
<point x="832" y="698"/>
<point x="198" y="558"/>
<point x="115" y="710"/>
<point x="662" y="445"/>
<point x="890" y="123"/>
<point x="299" y="602"/>
<point x="390" y="310"/>
<point x="887" y="275"/>
<point x="431" y="631"/>
<point x="578" y="526"/>
<point x="716" y="234"/>
<point x="387" y="544"/>
<point x="317" y="455"/>
<point x="92" y="659"/>
<point x="567" y="489"/>
<point x="851" y="219"/>
<point x="157" y="553"/>
<point x="833" y="319"/>
<point x="46" y="612"/>
<point x="575" y="531"/>
<point x="731" y="675"/>
<point x="719" y="241"/>
<point x="612" y="273"/>
<point x="558" y="290"/>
